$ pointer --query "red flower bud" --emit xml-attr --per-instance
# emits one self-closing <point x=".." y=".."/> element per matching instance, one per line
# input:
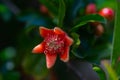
<point x="91" y="8"/>
<point x="99" y="30"/>
<point x="43" y="9"/>
<point x="108" y="13"/>
<point x="56" y="42"/>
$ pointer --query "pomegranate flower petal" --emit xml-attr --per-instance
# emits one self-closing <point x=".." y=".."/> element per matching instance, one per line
<point x="39" y="48"/>
<point x="69" y="41"/>
<point x="58" y="30"/>
<point x="44" y="31"/>
<point x="65" y="56"/>
<point x="50" y="60"/>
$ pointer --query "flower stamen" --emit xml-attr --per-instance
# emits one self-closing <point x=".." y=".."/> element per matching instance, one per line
<point x="54" y="44"/>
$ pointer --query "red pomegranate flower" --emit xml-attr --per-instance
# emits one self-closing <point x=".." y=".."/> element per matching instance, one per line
<point x="55" y="42"/>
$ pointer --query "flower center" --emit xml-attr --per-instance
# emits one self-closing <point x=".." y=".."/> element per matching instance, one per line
<point x="54" y="44"/>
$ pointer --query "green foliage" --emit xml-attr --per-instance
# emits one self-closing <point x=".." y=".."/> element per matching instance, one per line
<point x="39" y="68"/>
<point x="100" y="72"/>
<point x="88" y="18"/>
<point x="33" y="64"/>
<point x="111" y="73"/>
<point x="116" y="41"/>
<point x="75" y="50"/>
<point x="70" y="16"/>
<point x="61" y="14"/>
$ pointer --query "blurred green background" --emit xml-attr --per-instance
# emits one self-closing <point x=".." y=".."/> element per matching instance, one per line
<point x="90" y="55"/>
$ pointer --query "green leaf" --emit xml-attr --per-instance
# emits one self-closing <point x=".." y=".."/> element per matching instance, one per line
<point x="61" y="14"/>
<point x="89" y="18"/>
<point x="76" y="38"/>
<point x="116" y="41"/>
<point x="76" y="45"/>
<point x="111" y="73"/>
<point x="100" y="72"/>
<point x="35" y="65"/>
